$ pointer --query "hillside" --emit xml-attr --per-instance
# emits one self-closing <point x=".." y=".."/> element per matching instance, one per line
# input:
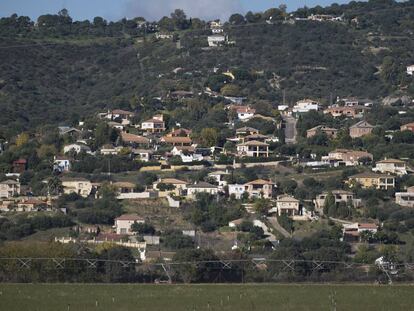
<point x="56" y="76"/>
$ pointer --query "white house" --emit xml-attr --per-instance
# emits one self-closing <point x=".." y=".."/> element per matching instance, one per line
<point x="410" y="70"/>
<point x="201" y="187"/>
<point x="77" y="148"/>
<point x="187" y="154"/>
<point x="236" y="190"/>
<point x="219" y="176"/>
<point x="216" y="27"/>
<point x="305" y="105"/>
<point x="245" y="113"/>
<point x="124" y="223"/>
<point x="392" y="166"/>
<point x="216" y="40"/>
<point x="61" y="164"/>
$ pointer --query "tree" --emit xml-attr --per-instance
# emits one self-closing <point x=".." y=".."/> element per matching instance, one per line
<point x="143" y="228"/>
<point x="236" y="19"/>
<point x="230" y="90"/>
<point x="54" y="185"/>
<point x="209" y="136"/>
<point x="179" y="19"/>
<point x="329" y="206"/>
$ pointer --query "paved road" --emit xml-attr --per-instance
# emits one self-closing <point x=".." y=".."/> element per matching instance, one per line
<point x="275" y="224"/>
<point x="290" y="129"/>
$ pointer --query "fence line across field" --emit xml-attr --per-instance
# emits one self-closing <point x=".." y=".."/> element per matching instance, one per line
<point x="226" y="264"/>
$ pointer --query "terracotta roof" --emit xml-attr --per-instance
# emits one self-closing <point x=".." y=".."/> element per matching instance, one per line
<point x="286" y="198"/>
<point x="245" y="110"/>
<point x="181" y="131"/>
<point x="131" y="138"/>
<point x="362" y="124"/>
<point x="69" y="179"/>
<point x="154" y="121"/>
<point x="131" y="217"/>
<point x="173" y="181"/>
<point x="176" y="140"/>
<point x="260" y="182"/>
<point x="367" y="226"/>
<point x="124" y="112"/>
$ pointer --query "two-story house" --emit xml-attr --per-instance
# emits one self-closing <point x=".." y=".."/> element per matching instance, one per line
<point x="391" y="166"/>
<point x="360" y="129"/>
<point x="123" y="223"/>
<point x="260" y="188"/>
<point x="287" y="205"/>
<point x="373" y="180"/>
<point x="9" y="188"/>
<point x="154" y="125"/>
<point x="78" y="185"/>
<point x="253" y="148"/>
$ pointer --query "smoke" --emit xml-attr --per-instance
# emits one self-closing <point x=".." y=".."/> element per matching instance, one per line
<point x="205" y="9"/>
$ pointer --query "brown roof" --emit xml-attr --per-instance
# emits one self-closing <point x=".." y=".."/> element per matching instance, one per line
<point x="154" y="121"/>
<point x="122" y="112"/>
<point x="367" y="226"/>
<point x="131" y="138"/>
<point x="260" y="182"/>
<point x="176" y="140"/>
<point x="370" y="175"/>
<point x="132" y="217"/>
<point x="173" y="181"/>
<point x="181" y="131"/>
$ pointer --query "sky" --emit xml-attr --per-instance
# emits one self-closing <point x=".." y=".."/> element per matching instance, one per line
<point x="150" y="9"/>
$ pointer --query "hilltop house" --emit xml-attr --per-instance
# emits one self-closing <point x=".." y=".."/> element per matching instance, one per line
<point x="245" y="113"/>
<point x="341" y="196"/>
<point x="407" y="127"/>
<point x="373" y="180"/>
<point x="154" y="125"/>
<point x="254" y="149"/>
<point x="410" y="70"/>
<point x="9" y="188"/>
<point x="77" y="148"/>
<point x="345" y="157"/>
<point x="259" y="188"/>
<point x="120" y="114"/>
<point x="178" y="186"/>
<point x="347" y="111"/>
<point x="391" y="166"/>
<point x="216" y="40"/>
<point x="123" y="224"/>
<point x="216" y="27"/>
<point x="218" y="176"/>
<point x="236" y="190"/>
<point x="61" y="164"/>
<point x="360" y="129"/>
<point x="187" y="154"/>
<point x="352" y="232"/>
<point x="287" y="205"/>
<point x="201" y="187"/>
<point x="176" y="140"/>
<point x="78" y="185"/>
<point x="305" y="105"/>
<point x="328" y="131"/>
<point x="31" y="205"/>
<point x="134" y="140"/>
<point x="405" y="199"/>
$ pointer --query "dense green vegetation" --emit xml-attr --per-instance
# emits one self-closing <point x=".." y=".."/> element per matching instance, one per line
<point x="58" y="70"/>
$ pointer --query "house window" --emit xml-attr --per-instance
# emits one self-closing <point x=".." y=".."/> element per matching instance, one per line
<point x="123" y="230"/>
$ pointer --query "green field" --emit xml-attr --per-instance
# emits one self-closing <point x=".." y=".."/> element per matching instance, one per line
<point x="55" y="297"/>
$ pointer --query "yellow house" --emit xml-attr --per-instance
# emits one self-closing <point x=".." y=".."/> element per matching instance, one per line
<point x="81" y="186"/>
<point x="372" y="180"/>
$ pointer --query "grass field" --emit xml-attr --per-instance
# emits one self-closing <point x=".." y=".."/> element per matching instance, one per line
<point x="56" y="297"/>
